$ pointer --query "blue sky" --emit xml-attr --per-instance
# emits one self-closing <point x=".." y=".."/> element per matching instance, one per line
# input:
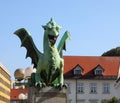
<point x="94" y="26"/>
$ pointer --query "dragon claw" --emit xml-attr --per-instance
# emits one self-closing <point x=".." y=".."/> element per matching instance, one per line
<point x="65" y="85"/>
<point x="60" y="86"/>
<point x="43" y="85"/>
<point x="39" y="84"/>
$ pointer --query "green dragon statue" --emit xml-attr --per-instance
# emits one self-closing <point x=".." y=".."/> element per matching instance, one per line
<point x="50" y="64"/>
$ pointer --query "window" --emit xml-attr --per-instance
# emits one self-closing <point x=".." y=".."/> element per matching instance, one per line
<point x="98" y="70"/>
<point x="93" y="101"/>
<point x="93" y="88"/>
<point x="81" y="101"/>
<point x="80" y="88"/>
<point x="78" y="70"/>
<point x="106" y="88"/>
<point x="69" y="87"/>
<point x="70" y="101"/>
<point x="119" y="100"/>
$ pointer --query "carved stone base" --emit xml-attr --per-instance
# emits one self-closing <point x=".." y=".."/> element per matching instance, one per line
<point x="47" y="95"/>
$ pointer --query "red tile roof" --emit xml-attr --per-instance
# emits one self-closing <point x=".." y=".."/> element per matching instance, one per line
<point x="14" y="94"/>
<point x="88" y="63"/>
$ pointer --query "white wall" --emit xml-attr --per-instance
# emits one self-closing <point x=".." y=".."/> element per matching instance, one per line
<point x="117" y="88"/>
<point x="86" y="95"/>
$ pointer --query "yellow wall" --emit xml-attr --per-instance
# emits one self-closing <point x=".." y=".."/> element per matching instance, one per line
<point x="4" y="86"/>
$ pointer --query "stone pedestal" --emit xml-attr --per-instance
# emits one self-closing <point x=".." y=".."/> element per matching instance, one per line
<point x="47" y="95"/>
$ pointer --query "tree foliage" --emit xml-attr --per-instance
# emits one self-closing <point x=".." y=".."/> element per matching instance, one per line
<point x="112" y="52"/>
<point x="112" y="100"/>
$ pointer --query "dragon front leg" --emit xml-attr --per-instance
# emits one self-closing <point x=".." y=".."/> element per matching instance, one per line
<point x="38" y="79"/>
<point x="61" y="77"/>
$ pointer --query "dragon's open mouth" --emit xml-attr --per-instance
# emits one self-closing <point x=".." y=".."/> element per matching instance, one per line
<point x="52" y="39"/>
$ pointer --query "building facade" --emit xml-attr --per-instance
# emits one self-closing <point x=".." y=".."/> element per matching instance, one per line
<point x="5" y="81"/>
<point x="117" y="87"/>
<point x="90" y="91"/>
<point x="91" y="79"/>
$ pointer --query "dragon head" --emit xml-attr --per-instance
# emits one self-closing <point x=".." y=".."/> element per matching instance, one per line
<point x="52" y="31"/>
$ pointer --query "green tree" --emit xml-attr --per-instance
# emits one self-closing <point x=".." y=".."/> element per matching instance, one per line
<point x="112" y="100"/>
<point x="112" y="52"/>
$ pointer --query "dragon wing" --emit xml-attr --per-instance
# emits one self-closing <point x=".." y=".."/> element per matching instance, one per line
<point x="62" y="43"/>
<point x="27" y="42"/>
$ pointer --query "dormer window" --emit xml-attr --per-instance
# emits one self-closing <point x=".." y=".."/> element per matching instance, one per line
<point x="78" y="70"/>
<point x="98" y="70"/>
